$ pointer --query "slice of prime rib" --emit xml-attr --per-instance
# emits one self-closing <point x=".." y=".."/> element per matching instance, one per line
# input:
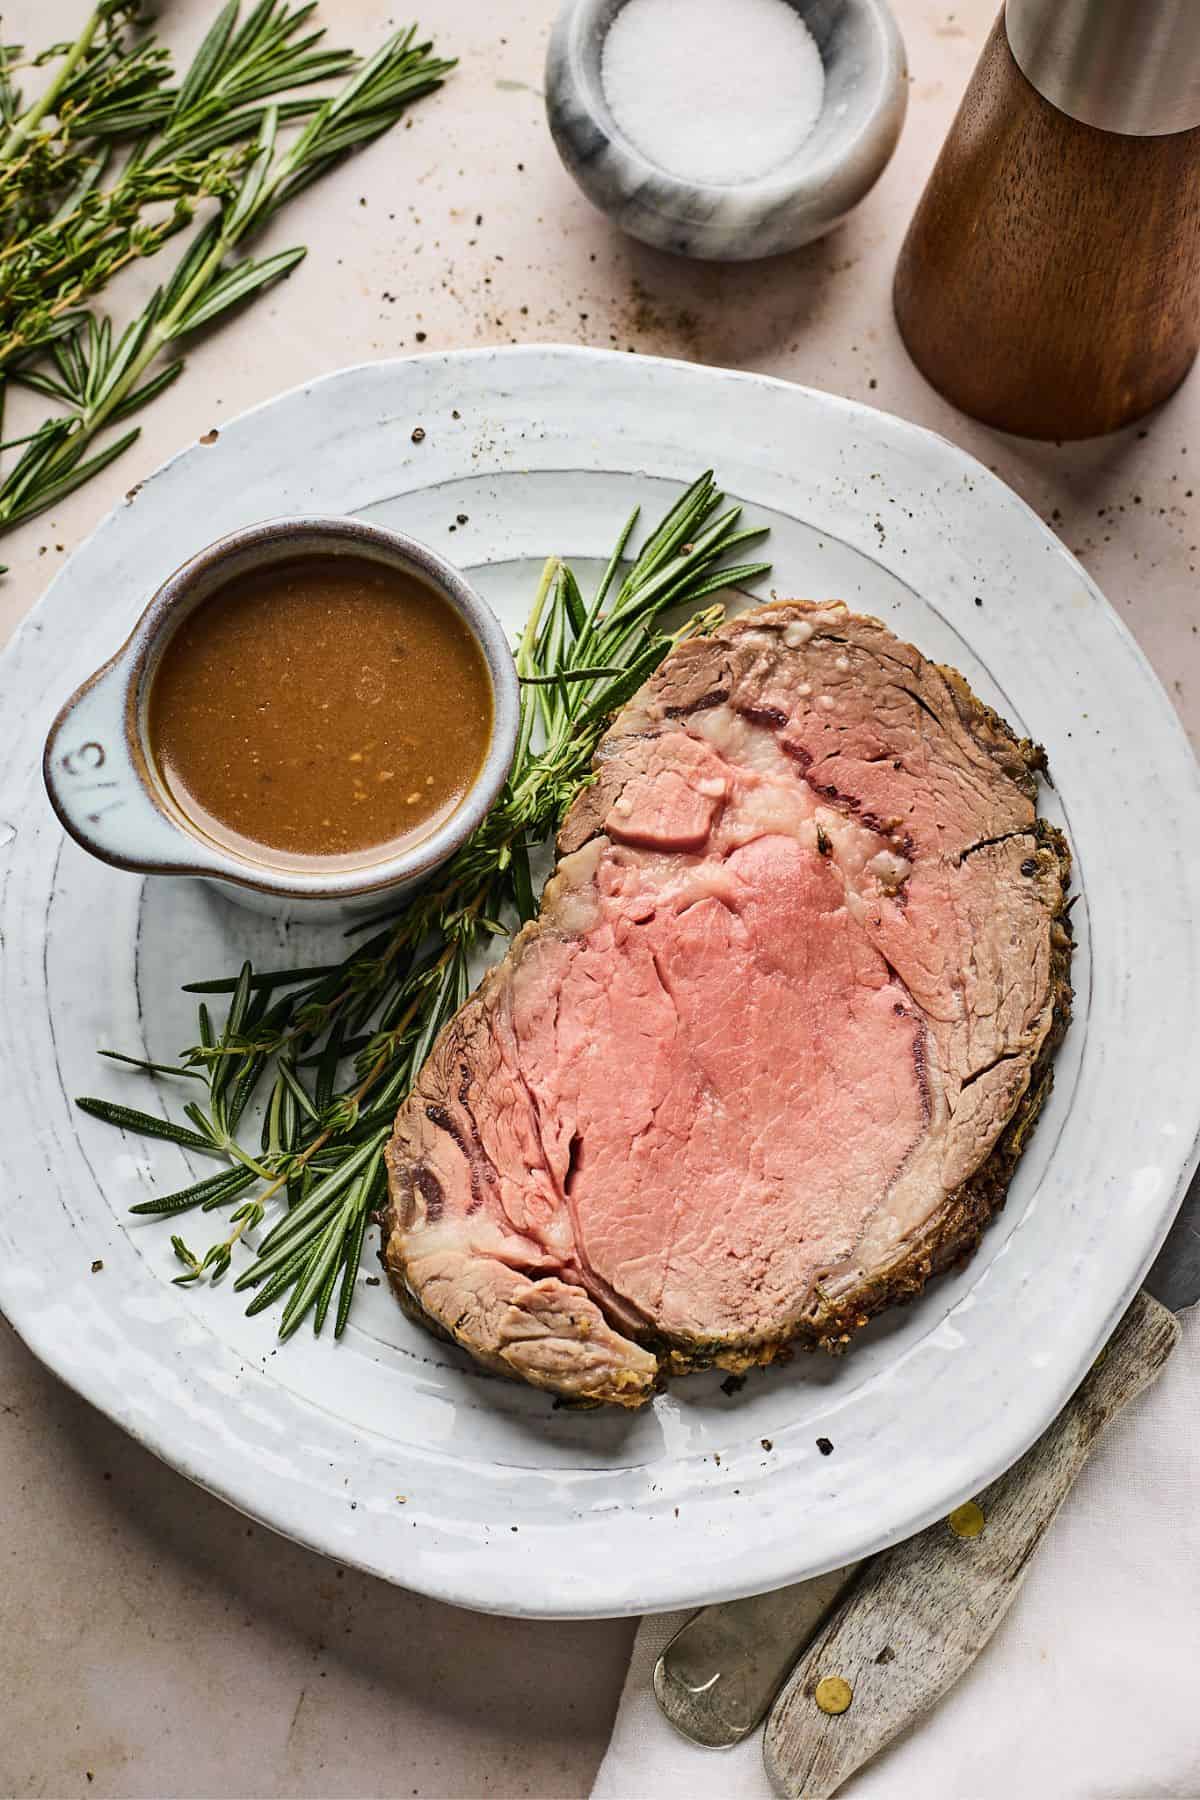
<point x="767" y="1057"/>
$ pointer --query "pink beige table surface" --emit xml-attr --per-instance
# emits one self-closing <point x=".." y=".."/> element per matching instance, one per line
<point x="152" y="1642"/>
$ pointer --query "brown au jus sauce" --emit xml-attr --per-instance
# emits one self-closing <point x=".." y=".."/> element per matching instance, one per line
<point x="329" y="709"/>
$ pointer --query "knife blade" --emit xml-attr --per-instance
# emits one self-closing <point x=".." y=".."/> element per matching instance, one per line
<point x="720" y="1672"/>
<point x="920" y="1613"/>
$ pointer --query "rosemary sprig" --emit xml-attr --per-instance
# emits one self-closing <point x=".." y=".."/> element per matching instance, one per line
<point x="332" y="1050"/>
<point x="215" y="138"/>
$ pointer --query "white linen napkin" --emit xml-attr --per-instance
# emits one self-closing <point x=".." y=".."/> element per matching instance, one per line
<point x="1090" y="1689"/>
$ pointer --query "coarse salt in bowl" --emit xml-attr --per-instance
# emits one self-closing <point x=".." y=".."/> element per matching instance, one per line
<point x="726" y="129"/>
<point x="680" y="98"/>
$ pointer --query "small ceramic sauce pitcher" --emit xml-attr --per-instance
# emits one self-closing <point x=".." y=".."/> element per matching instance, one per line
<point x="100" y="771"/>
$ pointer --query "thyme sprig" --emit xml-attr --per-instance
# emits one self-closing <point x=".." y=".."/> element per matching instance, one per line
<point x="73" y="212"/>
<point x="329" y="1052"/>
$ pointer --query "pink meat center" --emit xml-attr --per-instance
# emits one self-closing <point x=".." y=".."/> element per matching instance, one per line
<point x="742" y="1079"/>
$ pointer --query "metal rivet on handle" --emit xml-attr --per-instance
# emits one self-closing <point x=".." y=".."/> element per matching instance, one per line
<point x="833" y="1695"/>
<point x="966" y="1521"/>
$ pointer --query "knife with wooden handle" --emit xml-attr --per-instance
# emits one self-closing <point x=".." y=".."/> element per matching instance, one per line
<point x="921" y="1613"/>
<point x="918" y="1614"/>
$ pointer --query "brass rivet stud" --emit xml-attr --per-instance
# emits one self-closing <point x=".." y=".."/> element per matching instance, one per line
<point x="833" y="1695"/>
<point x="966" y="1521"/>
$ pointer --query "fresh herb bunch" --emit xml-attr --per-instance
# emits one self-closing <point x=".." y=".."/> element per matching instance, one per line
<point x="47" y="149"/>
<point x="70" y="219"/>
<point x="341" y="1044"/>
<point x="72" y="215"/>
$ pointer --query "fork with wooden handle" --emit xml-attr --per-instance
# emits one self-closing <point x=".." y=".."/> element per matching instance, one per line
<point x="916" y="1616"/>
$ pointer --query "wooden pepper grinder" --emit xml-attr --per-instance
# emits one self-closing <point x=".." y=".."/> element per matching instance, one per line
<point x="1050" y="280"/>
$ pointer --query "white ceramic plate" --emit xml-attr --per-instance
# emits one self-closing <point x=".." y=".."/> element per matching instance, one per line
<point x="509" y="1504"/>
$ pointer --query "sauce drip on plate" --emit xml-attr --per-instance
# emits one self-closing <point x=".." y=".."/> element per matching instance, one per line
<point x="328" y="709"/>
